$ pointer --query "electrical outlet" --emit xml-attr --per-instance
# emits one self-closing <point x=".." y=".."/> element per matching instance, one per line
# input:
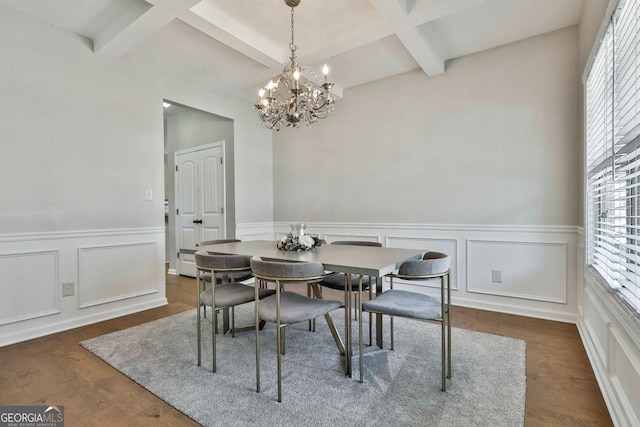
<point x="68" y="289"/>
<point x="496" y="276"/>
<point x="148" y="194"/>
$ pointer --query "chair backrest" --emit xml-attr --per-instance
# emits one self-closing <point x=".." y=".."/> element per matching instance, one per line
<point x="283" y="271"/>
<point x="357" y="243"/>
<point x="222" y="262"/>
<point x="217" y="242"/>
<point x="432" y="263"/>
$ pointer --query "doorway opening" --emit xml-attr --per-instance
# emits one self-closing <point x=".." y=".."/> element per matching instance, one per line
<point x="188" y="130"/>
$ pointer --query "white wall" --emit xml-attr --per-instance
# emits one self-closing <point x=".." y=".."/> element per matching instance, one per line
<point x="491" y="141"/>
<point x="82" y="139"/>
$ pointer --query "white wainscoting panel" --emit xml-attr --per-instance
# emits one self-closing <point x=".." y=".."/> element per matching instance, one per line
<point x="611" y="336"/>
<point x="598" y="324"/>
<point x="29" y="285"/>
<point x="530" y="270"/>
<point x="109" y="273"/>
<point x="443" y="245"/>
<point x="114" y="272"/>
<point x="625" y="376"/>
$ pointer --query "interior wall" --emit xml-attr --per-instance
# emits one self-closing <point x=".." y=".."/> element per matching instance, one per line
<point x="187" y="129"/>
<point x="82" y="142"/>
<point x="491" y="141"/>
<point x="481" y="163"/>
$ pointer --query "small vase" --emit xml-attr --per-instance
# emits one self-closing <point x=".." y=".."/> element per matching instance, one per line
<point x="298" y="230"/>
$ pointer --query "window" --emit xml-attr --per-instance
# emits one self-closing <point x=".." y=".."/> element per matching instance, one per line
<point x="613" y="154"/>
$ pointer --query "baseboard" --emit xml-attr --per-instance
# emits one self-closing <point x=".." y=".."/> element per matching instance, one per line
<point x="172" y="271"/>
<point x="556" y="316"/>
<point x="65" y="325"/>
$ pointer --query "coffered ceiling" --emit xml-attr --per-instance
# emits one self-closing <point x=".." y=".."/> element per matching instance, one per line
<point x="234" y="46"/>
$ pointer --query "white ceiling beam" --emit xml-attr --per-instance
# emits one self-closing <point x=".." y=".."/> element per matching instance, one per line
<point x="413" y="40"/>
<point x="130" y="29"/>
<point x="211" y="21"/>
<point x="440" y="9"/>
<point x="422" y="51"/>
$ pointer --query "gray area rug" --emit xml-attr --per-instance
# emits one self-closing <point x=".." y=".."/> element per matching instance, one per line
<point x="402" y="387"/>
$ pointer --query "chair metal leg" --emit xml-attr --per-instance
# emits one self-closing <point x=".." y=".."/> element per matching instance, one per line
<point x="233" y="322"/>
<point x="198" y="322"/>
<point x="204" y="284"/>
<point x="309" y="295"/>
<point x="448" y="307"/>
<point x="355" y="311"/>
<point x="347" y="348"/>
<point x="278" y="342"/>
<point x="349" y="353"/>
<point x="360" y="326"/>
<point x="257" y="322"/>
<point x="391" y="323"/>
<point x="443" y="332"/>
<point x="370" y="315"/>
<point x="213" y="337"/>
<point x="283" y="336"/>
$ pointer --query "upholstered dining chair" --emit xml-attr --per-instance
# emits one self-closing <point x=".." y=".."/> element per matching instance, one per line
<point x="222" y="296"/>
<point x="418" y="306"/>
<point x="234" y="277"/>
<point x="286" y="308"/>
<point x="338" y="282"/>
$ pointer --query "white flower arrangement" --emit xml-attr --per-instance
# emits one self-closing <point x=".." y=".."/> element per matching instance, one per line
<point x="301" y="243"/>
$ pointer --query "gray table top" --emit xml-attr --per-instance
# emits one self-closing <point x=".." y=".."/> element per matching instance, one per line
<point x="365" y="260"/>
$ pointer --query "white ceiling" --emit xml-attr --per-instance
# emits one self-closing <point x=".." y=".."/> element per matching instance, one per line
<point x="234" y="46"/>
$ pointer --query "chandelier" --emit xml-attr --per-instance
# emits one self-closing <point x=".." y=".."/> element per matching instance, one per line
<point x="290" y="99"/>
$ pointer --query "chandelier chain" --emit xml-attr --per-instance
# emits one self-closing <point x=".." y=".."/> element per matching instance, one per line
<point x="292" y="45"/>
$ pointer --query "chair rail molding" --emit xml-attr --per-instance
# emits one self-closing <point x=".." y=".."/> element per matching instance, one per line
<point x="110" y="273"/>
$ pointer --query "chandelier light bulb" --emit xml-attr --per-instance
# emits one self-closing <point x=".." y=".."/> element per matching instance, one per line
<point x="262" y="92"/>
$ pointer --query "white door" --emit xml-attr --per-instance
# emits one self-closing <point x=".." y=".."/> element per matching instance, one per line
<point x="200" y="201"/>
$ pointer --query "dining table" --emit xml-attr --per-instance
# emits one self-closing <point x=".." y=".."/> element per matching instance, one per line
<point x="352" y="260"/>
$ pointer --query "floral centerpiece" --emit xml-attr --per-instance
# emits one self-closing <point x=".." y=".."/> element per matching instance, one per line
<point x="297" y="240"/>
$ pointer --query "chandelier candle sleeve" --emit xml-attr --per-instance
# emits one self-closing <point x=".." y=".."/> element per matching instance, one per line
<point x="291" y="99"/>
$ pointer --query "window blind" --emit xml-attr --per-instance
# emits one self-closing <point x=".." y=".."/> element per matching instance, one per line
<point x="612" y="130"/>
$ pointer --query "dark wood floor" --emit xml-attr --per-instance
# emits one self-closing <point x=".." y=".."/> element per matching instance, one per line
<point x="561" y="387"/>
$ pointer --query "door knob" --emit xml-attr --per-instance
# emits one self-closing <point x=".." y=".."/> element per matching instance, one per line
<point x="197" y="221"/>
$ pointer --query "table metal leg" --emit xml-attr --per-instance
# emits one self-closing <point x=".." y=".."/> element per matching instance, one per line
<point x="332" y="327"/>
<point x="349" y="350"/>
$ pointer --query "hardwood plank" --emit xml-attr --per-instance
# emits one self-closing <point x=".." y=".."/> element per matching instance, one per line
<point x="561" y="387"/>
